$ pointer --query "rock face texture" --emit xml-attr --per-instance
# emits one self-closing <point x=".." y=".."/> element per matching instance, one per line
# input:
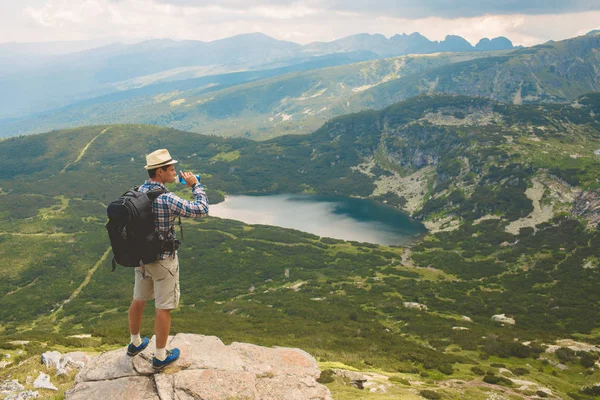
<point x="207" y="369"/>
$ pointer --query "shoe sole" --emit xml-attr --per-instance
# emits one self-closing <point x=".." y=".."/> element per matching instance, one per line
<point x="160" y="368"/>
<point x="136" y="353"/>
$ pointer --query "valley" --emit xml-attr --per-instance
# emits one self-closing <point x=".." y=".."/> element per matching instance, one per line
<point x="480" y="307"/>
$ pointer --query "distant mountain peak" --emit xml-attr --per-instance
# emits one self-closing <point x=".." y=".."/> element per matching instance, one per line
<point x="499" y="43"/>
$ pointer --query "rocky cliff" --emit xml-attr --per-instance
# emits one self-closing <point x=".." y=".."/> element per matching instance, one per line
<point x="207" y="369"/>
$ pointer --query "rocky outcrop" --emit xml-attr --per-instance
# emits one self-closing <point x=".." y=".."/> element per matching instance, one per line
<point x="503" y="319"/>
<point x="207" y="369"/>
<point x="587" y="205"/>
<point x="13" y="390"/>
<point x="414" y="305"/>
<point x="63" y="363"/>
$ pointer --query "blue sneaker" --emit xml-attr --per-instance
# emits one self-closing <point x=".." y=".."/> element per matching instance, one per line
<point x="172" y="355"/>
<point x="133" y="350"/>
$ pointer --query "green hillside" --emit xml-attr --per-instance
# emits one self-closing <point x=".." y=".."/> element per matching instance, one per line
<point x="227" y="105"/>
<point x="549" y="73"/>
<point x="498" y="185"/>
<point x="300" y="102"/>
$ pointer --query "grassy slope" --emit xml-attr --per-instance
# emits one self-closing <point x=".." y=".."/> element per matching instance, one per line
<point x="552" y="72"/>
<point x="362" y="321"/>
<point x="257" y="109"/>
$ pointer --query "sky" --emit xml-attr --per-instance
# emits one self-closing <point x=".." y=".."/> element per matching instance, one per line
<point x="525" y="22"/>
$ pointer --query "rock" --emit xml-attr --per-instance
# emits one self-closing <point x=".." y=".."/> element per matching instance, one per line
<point x="8" y="387"/>
<point x="27" y="394"/>
<point x="206" y="352"/>
<point x="43" y="382"/>
<point x="465" y="318"/>
<point x="291" y="388"/>
<point x="129" y="387"/>
<point x="375" y="387"/>
<point x="3" y="364"/>
<point x="207" y="369"/>
<point x="459" y="328"/>
<point x="51" y="359"/>
<point x="64" y="362"/>
<point x="415" y="306"/>
<point x="111" y="365"/>
<point x="277" y="360"/>
<point x="503" y="319"/>
<point x="19" y="342"/>
<point x="370" y="381"/>
<point x="359" y="384"/>
<point x="350" y="375"/>
<point x="75" y="359"/>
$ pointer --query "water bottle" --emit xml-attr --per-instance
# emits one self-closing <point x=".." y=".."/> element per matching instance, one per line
<point x="182" y="181"/>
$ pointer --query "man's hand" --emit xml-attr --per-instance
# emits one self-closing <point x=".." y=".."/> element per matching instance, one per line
<point x="190" y="178"/>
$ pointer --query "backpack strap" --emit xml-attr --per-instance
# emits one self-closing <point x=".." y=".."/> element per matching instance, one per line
<point x="143" y="269"/>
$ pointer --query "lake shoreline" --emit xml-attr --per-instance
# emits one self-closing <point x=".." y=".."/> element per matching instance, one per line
<point x="337" y="217"/>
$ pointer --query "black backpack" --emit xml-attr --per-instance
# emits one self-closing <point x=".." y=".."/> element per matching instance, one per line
<point x="131" y="229"/>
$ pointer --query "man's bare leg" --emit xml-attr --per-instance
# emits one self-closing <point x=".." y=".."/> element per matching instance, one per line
<point x="136" y="312"/>
<point x="162" y="327"/>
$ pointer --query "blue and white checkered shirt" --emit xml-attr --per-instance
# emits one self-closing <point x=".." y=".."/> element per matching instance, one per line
<point x="167" y="206"/>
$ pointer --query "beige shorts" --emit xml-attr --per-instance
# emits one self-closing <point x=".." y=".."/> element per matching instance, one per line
<point x="161" y="283"/>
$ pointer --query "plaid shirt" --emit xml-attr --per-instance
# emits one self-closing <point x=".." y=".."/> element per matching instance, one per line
<point x="167" y="206"/>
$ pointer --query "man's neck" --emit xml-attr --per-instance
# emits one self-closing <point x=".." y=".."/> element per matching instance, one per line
<point x="155" y="181"/>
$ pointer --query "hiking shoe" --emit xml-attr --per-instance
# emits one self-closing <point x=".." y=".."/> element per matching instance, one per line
<point x="172" y="355"/>
<point x="133" y="350"/>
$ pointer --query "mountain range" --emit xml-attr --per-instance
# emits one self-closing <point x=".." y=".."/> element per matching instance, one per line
<point x="496" y="153"/>
<point x="264" y="104"/>
<point x="32" y="83"/>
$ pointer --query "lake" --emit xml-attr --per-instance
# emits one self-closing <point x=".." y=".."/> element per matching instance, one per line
<point x="336" y="217"/>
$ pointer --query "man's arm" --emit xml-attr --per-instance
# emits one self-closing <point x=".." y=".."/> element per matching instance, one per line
<point x="185" y="208"/>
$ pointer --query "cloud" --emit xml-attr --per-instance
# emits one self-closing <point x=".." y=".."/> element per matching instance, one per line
<point x="416" y="9"/>
<point x="301" y="21"/>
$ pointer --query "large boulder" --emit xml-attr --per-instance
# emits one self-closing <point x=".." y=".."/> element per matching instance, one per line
<point x="207" y="369"/>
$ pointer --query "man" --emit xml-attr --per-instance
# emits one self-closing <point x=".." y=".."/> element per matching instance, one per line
<point x="160" y="280"/>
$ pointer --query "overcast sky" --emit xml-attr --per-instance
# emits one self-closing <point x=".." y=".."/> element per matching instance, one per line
<point x="525" y="22"/>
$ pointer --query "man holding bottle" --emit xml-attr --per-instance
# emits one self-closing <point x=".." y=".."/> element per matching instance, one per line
<point x="160" y="280"/>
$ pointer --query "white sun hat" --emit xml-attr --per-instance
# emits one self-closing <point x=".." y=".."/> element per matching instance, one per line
<point x="159" y="158"/>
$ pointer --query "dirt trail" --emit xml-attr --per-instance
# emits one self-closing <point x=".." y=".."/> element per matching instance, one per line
<point x="83" y="150"/>
<point x="84" y="283"/>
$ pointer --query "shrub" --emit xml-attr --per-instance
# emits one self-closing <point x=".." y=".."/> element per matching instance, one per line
<point x="408" y="369"/>
<point x="446" y="369"/>
<point x="519" y="371"/>
<point x="326" y="376"/>
<point x="587" y="360"/>
<point x="591" y="390"/>
<point x="397" y="379"/>
<point x="477" y="371"/>
<point x="565" y="354"/>
<point x="497" y="380"/>
<point x="430" y="394"/>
